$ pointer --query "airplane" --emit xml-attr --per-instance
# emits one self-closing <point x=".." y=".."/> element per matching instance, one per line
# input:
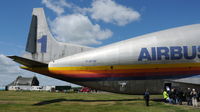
<point x="130" y="66"/>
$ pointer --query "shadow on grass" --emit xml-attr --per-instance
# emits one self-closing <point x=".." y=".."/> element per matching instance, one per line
<point x="80" y="100"/>
<point x="158" y="100"/>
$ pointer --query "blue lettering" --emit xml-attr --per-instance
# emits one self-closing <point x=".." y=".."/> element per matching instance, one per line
<point x="162" y="52"/>
<point x="153" y="50"/>
<point x="144" y="55"/>
<point x="186" y="52"/>
<point x="176" y="52"/>
<point x="198" y="51"/>
<point x="43" y="41"/>
<point x="169" y="53"/>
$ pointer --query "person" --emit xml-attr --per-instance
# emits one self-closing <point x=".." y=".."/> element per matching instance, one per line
<point x="166" y="96"/>
<point x="188" y="97"/>
<point x="176" y="96"/>
<point x="180" y="96"/>
<point x="194" y="98"/>
<point x="176" y="100"/>
<point x="172" y="98"/>
<point x="198" y="99"/>
<point x="146" y="97"/>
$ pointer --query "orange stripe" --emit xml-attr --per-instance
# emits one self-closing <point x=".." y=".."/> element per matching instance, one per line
<point x="75" y="72"/>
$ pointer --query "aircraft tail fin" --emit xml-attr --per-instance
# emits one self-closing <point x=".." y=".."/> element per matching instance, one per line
<point x="41" y="45"/>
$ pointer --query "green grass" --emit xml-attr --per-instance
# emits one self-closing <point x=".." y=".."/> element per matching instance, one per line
<point x="11" y="101"/>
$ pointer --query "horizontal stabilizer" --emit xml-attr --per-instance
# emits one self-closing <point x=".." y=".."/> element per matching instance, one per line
<point x="28" y="62"/>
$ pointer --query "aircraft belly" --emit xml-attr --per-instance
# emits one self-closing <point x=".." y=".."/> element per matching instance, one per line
<point x="126" y="86"/>
<point x="136" y="86"/>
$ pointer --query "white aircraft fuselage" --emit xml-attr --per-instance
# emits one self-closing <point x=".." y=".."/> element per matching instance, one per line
<point x="128" y="66"/>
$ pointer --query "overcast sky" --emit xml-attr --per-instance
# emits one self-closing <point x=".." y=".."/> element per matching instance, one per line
<point x="93" y="23"/>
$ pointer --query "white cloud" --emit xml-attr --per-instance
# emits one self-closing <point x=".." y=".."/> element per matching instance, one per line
<point x="8" y="70"/>
<point x="111" y="12"/>
<point x="7" y="65"/>
<point x="56" y="5"/>
<point x="77" y="28"/>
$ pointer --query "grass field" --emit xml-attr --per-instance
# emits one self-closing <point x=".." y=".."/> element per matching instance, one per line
<point x="11" y="101"/>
